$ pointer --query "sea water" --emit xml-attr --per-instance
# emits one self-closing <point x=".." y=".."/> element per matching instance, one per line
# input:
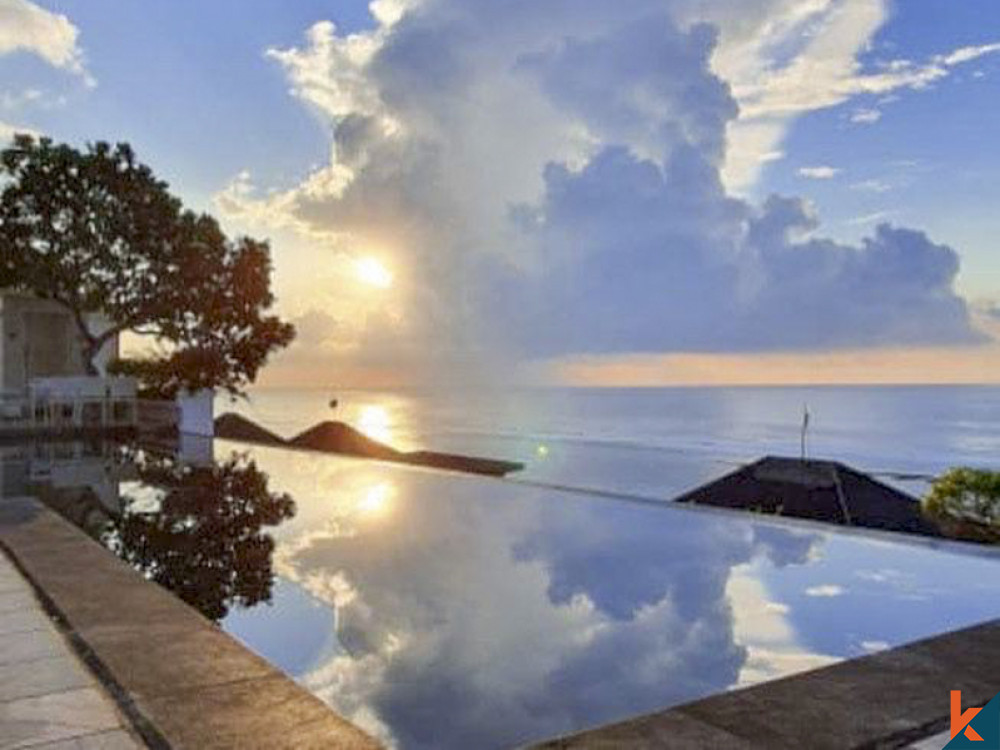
<point x="658" y="442"/>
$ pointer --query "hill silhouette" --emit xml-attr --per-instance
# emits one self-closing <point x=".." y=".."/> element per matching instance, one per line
<point x="342" y="439"/>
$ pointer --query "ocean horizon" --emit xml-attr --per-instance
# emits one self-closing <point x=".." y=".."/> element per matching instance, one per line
<point x="659" y="442"/>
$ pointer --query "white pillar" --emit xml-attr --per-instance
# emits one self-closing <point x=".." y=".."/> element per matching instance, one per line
<point x="196" y="413"/>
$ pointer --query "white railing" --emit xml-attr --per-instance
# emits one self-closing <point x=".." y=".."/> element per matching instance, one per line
<point x="71" y="405"/>
<point x="66" y="413"/>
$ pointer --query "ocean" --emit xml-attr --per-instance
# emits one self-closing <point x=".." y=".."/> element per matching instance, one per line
<point x="658" y="442"/>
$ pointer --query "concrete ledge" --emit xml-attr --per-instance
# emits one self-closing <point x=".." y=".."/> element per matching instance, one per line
<point x="885" y="700"/>
<point x="181" y="681"/>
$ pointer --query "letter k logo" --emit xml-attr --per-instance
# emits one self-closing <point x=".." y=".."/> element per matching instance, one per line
<point x="960" y="721"/>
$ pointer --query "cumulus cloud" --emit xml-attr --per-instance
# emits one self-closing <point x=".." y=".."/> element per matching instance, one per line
<point x="27" y="27"/>
<point x="548" y="178"/>
<point x="697" y="271"/>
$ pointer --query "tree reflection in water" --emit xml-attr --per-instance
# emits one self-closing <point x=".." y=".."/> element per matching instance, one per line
<point x="201" y="533"/>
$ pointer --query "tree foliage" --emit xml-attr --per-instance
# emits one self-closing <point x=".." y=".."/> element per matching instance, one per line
<point x="966" y="502"/>
<point x="96" y="231"/>
<point x="204" y="538"/>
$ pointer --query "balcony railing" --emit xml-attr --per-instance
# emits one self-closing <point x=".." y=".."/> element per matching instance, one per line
<point x="71" y="405"/>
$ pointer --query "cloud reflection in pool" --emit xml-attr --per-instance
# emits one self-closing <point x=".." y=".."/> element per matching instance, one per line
<point x="472" y="613"/>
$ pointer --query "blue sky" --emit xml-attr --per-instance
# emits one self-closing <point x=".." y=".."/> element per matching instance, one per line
<point x="260" y="138"/>
<point x="933" y="153"/>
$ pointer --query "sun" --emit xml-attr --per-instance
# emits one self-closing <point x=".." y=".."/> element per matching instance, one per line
<point x="373" y="272"/>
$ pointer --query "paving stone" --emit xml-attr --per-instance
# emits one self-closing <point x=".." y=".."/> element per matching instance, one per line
<point x="17" y="601"/>
<point x="57" y="716"/>
<point x="26" y="679"/>
<point x="29" y="646"/>
<point x="13" y="585"/>
<point x="47" y="697"/>
<point x="25" y="619"/>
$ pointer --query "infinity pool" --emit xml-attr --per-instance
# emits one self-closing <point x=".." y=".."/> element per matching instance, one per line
<point x="444" y="611"/>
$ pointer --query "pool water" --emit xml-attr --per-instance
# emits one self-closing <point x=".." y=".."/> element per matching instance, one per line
<point x="446" y="611"/>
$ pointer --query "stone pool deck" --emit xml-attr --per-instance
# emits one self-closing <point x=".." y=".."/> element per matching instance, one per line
<point x="48" y="699"/>
<point x="894" y="699"/>
<point x="166" y="673"/>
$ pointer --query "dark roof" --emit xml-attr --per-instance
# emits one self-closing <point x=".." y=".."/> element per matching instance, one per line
<point x="826" y="491"/>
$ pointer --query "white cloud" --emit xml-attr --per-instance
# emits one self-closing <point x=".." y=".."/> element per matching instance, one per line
<point x="810" y="83"/>
<point x="765" y="629"/>
<point x="876" y="217"/>
<point x="825" y="591"/>
<point x="872" y="186"/>
<point x="819" y="173"/>
<point x="27" y="27"/>
<point x="967" y="54"/>
<point x="785" y="58"/>
<point x="866" y="116"/>
<point x="563" y="164"/>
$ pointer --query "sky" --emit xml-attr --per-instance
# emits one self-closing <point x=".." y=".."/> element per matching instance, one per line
<point x="639" y="192"/>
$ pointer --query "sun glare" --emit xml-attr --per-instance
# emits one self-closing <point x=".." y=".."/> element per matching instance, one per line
<point x="376" y="501"/>
<point x="373" y="272"/>
<point x="374" y="422"/>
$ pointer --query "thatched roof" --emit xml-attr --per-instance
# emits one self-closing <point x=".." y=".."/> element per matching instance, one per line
<point x="826" y="491"/>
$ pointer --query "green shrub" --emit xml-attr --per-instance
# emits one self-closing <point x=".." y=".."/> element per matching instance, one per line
<point x="966" y="504"/>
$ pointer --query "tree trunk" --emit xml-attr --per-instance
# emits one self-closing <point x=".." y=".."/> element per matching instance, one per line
<point x="89" y="353"/>
<point x="90" y="344"/>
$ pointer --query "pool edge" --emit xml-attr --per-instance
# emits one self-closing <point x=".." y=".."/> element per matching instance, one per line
<point x="180" y="680"/>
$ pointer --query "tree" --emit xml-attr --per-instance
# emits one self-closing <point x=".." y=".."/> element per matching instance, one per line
<point x="966" y="502"/>
<point x="96" y="231"/>
<point x="204" y="538"/>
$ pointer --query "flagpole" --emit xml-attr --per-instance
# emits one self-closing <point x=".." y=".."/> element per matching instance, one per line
<point x="805" y="428"/>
